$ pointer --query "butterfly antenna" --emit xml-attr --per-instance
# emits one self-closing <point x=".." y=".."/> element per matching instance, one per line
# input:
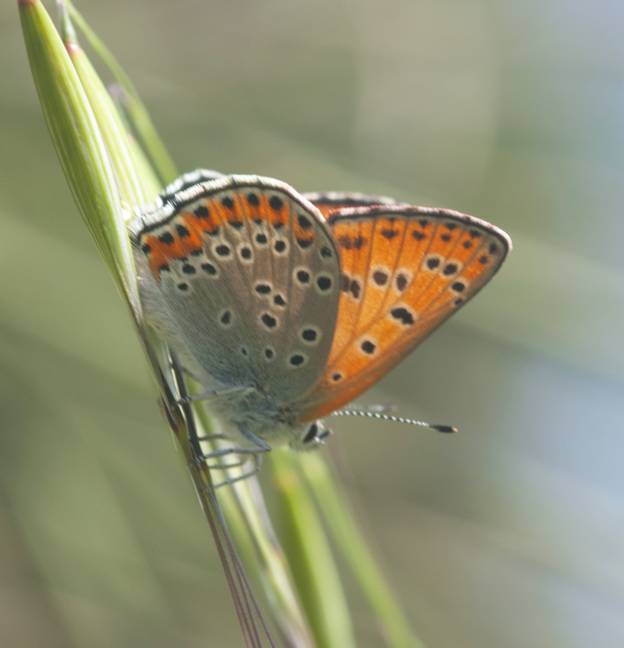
<point x="446" y="429"/>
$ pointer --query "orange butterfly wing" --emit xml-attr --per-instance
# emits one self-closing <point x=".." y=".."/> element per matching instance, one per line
<point x="331" y="202"/>
<point x="404" y="271"/>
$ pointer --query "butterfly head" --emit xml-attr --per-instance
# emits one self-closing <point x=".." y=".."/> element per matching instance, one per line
<point x="253" y="411"/>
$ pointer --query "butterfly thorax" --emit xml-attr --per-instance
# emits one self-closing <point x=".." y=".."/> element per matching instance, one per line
<point x="254" y="411"/>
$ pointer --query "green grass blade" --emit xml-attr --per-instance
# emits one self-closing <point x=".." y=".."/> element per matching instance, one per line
<point x="309" y="554"/>
<point x="137" y="112"/>
<point x="79" y="143"/>
<point x="347" y="537"/>
<point x="110" y="124"/>
<point x="149" y="180"/>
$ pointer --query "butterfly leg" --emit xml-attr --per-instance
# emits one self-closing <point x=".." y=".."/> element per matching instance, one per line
<point x="257" y="463"/>
<point x="255" y="454"/>
<point x="225" y="452"/>
<point x="208" y="394"/>
<point x="259" y="442"/>
<point x="174" y="363"/>
<point x="261" y="446"/>
<point x="245" y="454"/>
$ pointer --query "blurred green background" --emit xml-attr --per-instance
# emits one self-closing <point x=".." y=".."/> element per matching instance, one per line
<point x="510" y="534"/>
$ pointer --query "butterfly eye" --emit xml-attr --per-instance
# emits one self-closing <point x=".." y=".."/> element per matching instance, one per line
<point x="310" y="434"/>
<point x="313" y="436"/>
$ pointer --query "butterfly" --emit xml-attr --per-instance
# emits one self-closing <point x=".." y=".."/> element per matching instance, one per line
<point x="286" y="306"/>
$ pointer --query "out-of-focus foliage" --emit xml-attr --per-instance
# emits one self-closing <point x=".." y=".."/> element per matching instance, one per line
<point x="504" y="535"/>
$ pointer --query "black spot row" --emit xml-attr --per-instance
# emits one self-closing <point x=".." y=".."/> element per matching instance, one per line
<point x="276" y="203"/>
<point x="450" y="269"/>
<point x="263" y="288"/>
<point x="349" y="285"/>
<point x="268" y="320"/>
<point x="296" y="359"/>
<point x="348" y="242"/>
<point x="403" y="315"/>
<point x="433" y="263"/>
<point x="304" y="222"/>
<point x="401" y="282"/>
<point x="303" y="276"/>
<point x="368" y="347"/>
<point x="324" y="283"/>
<point x="380" y="277"/>
<point x="309" y="335"/>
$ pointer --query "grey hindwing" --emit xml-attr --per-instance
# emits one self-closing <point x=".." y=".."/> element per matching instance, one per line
<point x="259" y="299"/>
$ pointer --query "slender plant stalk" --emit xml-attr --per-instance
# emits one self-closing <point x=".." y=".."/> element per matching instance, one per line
<point x="78" y="143"/>
<point x="137" y="112"/>
<point x="353" y="548"/>
<point x="312" y="562"/>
